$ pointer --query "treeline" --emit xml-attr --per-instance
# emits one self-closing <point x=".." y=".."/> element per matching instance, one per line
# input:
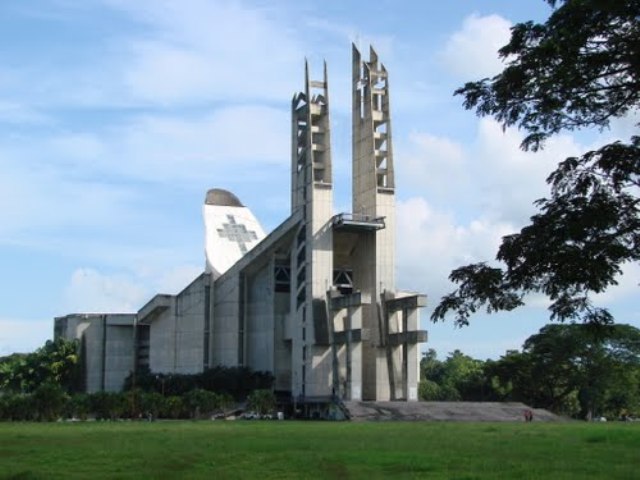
<point x="577" y="370"/>
<point x="56" y="362"/>
<point x="237" y="382"/>
<point x="49" y="402"/>
<point x="46" y="385"/>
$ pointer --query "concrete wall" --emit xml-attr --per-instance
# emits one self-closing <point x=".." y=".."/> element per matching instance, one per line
<point x="177" y="333"/>
<point x="259" y="321"/>
<point x="120" y="356"/>
<point x="107" y="346"/>
<point x="162" y="341"/>
<point x="282" y="342"/>
<point x="226" y="321"/>
<point x="190" y="305"/>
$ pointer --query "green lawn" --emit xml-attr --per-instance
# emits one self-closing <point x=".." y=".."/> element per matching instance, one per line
<point x="261" y="449"/>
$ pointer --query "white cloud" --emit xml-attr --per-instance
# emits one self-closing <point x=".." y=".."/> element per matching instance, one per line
<point x="16" y="113"/>
<point x="432" y="165"/>
<point x="174" y="149"/>
<point x="469" y="199"/>
<point x="627" y="287"/>
<point x="431" y="243"/>
<point x="23" y="335"/>
<point x="38" y="199"/>
<point x="209" y="50"/>
<point x="472" y="52"/>
<point x="72" y="185"/>
<point x="509" y="179"/>
<point x="90" y="291"/>
<point x="172" y="279"/>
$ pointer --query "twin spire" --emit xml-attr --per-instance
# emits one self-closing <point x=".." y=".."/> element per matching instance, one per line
<point x="371" y="134"/>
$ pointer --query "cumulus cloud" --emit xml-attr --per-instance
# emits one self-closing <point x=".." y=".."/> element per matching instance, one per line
<point x="44" y="199"/>
<point x="185" y="58"/>
<point x="431" y="164"/>
<point x="73" y="185"/>
<point x="430" y="243"/>
<point x="471" y="197"/>
<point x="23" y="335"/>
<point x="90" y="291"/>
<point x="472" y="51"/>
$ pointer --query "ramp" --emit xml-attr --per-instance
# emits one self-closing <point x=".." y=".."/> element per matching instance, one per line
<point x="446" y="411"/>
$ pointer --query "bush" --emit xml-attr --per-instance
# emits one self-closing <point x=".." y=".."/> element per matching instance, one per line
<point x="109" y="405"/>
<point x="49" y="401"/>
<point x="237" y="382"/>
<point x="18" y="407"/>
<point x="429" y="390"/>
<point x="262" y="401"/>
<point x="173" y="407"/>
<point x="78" y="406"/>
<point x="201" y="402"/>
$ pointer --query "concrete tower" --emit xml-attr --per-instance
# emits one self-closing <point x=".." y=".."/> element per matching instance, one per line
<point x="373" y="197"/>
<point x="311" y="256"/>
<point x="390" y="358"/>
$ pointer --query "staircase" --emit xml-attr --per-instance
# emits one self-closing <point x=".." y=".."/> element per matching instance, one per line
<point x="445" y="411"/>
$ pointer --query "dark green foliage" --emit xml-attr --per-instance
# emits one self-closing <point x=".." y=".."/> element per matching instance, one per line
<point x="78" y="406"/>
<point x="458" y="377"/>
<point x="236" y="382"/>
<point x="579" y="69"/>
<point x="578" y="370"/>
<point x="202" y="403"/>
<point x="55" y="362"/>
<point x="17" y="407"/>
<point x="109" y="405"/>
<point x="155" y="395"/>
<point x="49" y="401"/>
<point x="575" y="369"/>
<point x="262" y="401"/>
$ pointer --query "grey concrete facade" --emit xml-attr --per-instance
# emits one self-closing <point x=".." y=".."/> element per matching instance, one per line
<point x="314" y="302"/>
<point x="107" y="347"/>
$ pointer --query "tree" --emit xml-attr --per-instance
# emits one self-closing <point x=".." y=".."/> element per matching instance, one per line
<point x="57" y="361"/>
<point x="575" y="369"/>
<point x="459" y="377"/>
<point x="579" y="69"/>
<point x="262" y="401"/>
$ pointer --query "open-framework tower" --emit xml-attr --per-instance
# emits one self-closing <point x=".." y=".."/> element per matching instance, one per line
<point x="390" y="358"/>
<point x="311" y="257"/>
<point x="353" y="335"/>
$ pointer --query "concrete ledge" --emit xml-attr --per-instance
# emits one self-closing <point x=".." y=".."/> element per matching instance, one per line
<point x="154" y="306"/>
<point x="400" y="338"/>
<point x="341" y="337"/>
<point x="354" y="299"/>
<point x="413" y="301"/>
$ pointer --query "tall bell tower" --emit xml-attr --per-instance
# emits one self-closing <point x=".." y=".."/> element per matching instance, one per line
<point x="312" y="254"/>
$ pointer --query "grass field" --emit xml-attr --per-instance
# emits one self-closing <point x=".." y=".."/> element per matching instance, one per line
<point x="260" y="449"/>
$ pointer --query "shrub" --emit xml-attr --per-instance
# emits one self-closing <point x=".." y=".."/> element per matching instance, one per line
<point x="49" y="401"/>
<point x="262" y="401"/>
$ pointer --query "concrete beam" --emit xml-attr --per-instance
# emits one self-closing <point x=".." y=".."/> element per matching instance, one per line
<point x="412" y="301"/>
<point x="400" y="338"/>
<point x="156" y="305"/>
<point x="340" y="338"/>
<point x="354" y="299"/>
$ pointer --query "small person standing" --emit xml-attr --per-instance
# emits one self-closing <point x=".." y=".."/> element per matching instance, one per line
<point x="528" y="415"/>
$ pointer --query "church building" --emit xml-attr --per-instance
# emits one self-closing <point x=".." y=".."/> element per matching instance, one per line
<point x="314" y="302"/>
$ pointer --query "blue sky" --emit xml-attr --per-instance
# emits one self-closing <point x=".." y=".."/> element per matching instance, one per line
<point x="116" y="116"/>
